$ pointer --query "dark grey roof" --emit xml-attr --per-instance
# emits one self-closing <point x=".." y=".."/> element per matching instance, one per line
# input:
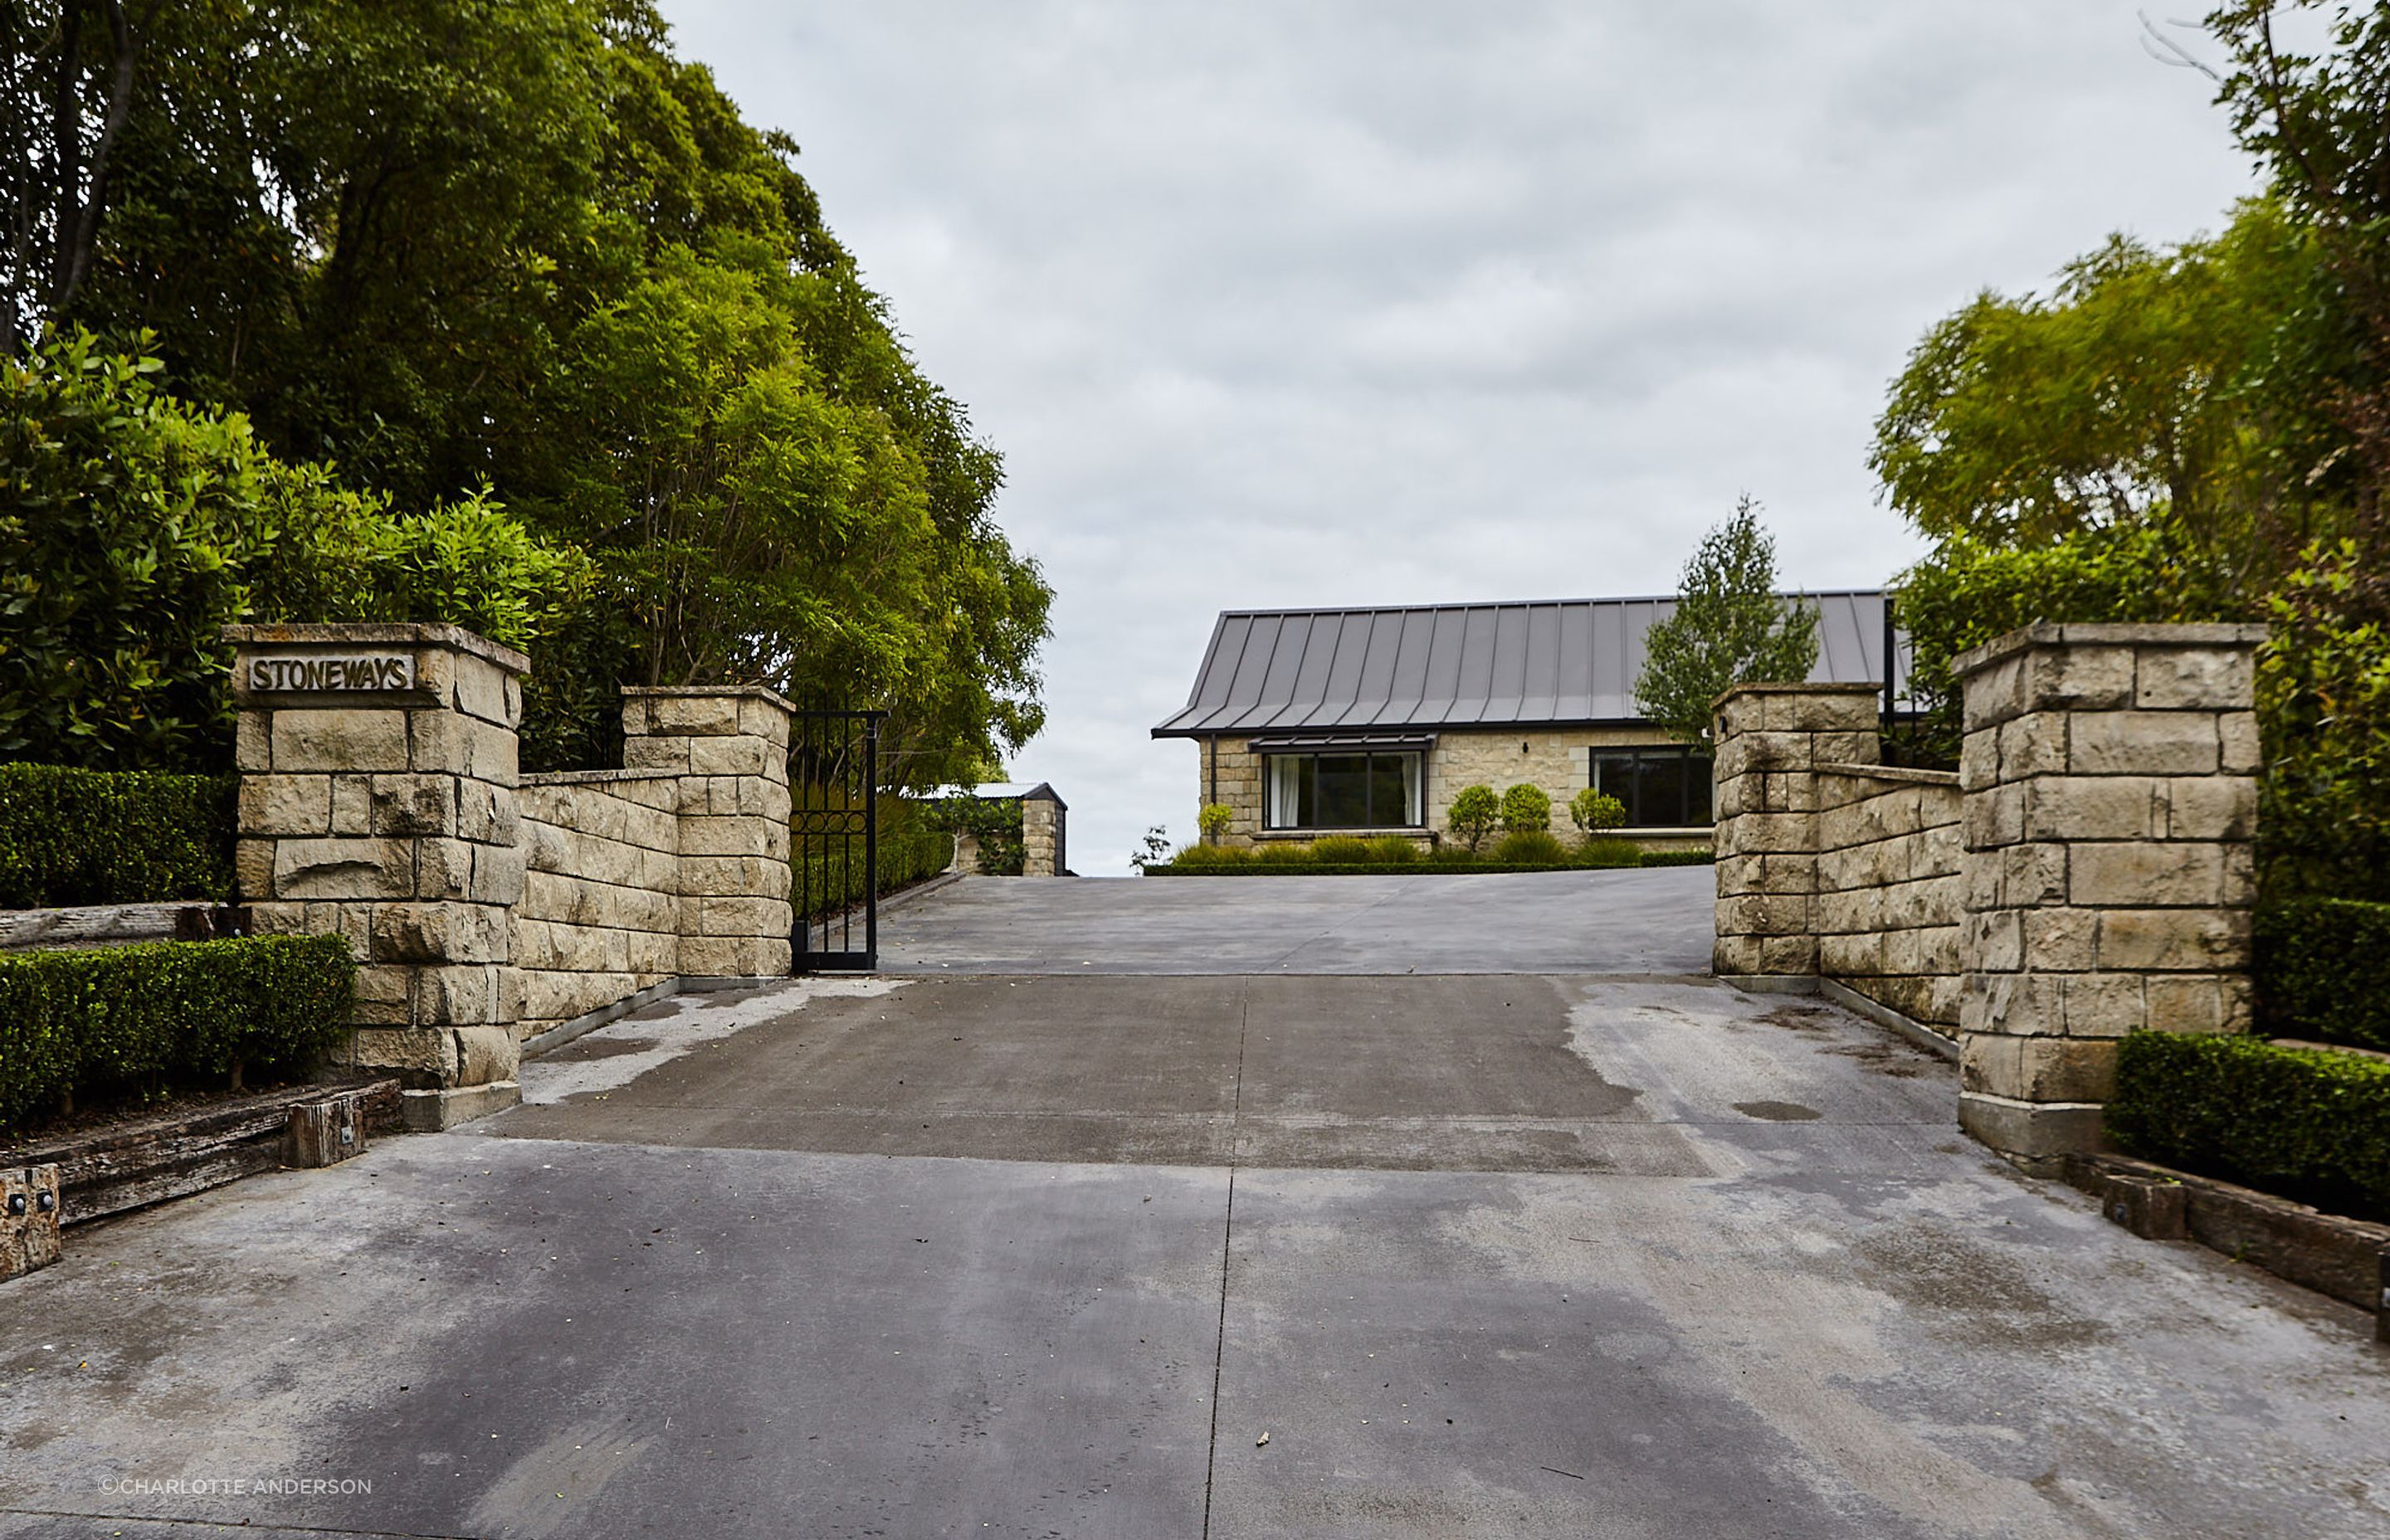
<point x="1564" y="661"/>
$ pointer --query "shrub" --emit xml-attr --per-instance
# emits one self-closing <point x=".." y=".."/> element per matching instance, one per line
<point x="995" y="822"/>
<point x="1526" y="809"/>
<point x="1206" y="857"/>
<point x="1392" y="850"/>
<point x="99" y="1019"/>
<point x="1676" y="857"/>
<point x="1596" y="850"/>
<point x="1475" y="810"/>
<point x="1593" y="810"/>
<point x="1215" y="818"/>
<point x="2308" y="1124"/>
<point x="1283" y="854"/>
<point x="1527" y="847"/>
<point x="69" y="836"/>
<point x="2324" y="697"/>
<point x="1345" y="850"/>
<point x="2316" y="969"/>
<point x="136" y="526"/>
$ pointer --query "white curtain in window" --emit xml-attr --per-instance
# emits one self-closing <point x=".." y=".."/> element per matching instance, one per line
<point x="1285" y="790"/>
<point x="1414" y="811"/>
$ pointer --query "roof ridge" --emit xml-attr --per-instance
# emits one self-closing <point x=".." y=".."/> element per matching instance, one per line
<point x="1523" y="603"/>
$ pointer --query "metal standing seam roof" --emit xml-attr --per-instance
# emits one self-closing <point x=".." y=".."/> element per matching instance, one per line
<point x="1554" y="662"/>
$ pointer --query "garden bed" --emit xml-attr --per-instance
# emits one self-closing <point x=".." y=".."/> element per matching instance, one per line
<point x="1433" y="866"/>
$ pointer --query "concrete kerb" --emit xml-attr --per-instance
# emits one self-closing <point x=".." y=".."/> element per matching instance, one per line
<point x="1884" y="1016"/>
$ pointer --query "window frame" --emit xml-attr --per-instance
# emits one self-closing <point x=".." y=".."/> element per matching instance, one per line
<point x="1414" y="788"/>
<point x="1642" y="752"/>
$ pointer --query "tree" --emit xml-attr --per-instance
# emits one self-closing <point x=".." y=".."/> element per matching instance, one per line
<point x="67" y="91"/>
<point x="520" y="245"/>
<point x="1730" y="627"/>
<point x="2175" y="384"/>
<point x="2321" y="125"/>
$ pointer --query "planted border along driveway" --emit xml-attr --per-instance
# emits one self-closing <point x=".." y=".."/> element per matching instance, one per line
<point x="1545" y="1253"/>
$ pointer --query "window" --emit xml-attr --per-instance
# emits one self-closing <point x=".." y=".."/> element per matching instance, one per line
<point x="1363" y="790"/>
<point x="1661" y="788"/>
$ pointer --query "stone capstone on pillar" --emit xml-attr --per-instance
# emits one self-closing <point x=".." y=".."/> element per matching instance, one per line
<point x="377" y="802"/>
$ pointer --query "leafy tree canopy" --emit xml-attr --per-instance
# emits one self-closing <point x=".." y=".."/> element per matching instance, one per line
<point x="519" y="245"/>
<point x="1730" y="627"/>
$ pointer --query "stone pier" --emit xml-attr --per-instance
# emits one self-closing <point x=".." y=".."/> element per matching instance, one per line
<point x="377" y="791"/>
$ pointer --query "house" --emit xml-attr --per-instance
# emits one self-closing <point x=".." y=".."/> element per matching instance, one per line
<point x="1309" y="722"/>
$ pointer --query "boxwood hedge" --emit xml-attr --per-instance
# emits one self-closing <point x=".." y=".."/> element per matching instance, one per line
<point x="70" y="836"/>
<point x="2319" y="963"/>
<point x="95" y="1021"/>
<point x="2307" y="1124"/>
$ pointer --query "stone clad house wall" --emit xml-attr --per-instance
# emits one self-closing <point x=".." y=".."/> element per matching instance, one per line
<point x="2096" y="879"/>
<point x="1559" y="759"/>
<point x="380" y="801"/>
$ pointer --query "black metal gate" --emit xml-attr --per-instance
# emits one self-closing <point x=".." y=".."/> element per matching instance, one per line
<point x="834" y="830"/>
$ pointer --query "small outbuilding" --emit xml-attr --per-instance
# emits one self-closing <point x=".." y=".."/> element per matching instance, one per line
<point x="1045" y="819"/>
<point x="1311" y="722"/>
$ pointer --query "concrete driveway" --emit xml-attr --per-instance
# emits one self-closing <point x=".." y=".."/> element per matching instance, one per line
<point x="1544" y="1253"/>
<point x="1630" y="921"/>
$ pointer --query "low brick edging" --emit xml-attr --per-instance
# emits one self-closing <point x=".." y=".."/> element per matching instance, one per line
<point x="2348" y="1259"/>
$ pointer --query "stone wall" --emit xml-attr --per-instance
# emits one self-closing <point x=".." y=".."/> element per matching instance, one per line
<point x="600" y="918"/>
<point x="380" y="801"/>
<point x="2089" y="873"/>
<point x="1890" y="894"/>
<point x="1771" y="739"/>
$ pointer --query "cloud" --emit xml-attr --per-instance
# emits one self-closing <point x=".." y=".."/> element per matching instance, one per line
<point x="1376" y="302"/>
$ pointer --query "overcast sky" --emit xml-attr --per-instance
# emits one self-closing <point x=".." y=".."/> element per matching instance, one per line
<point x="1386" y="302"/>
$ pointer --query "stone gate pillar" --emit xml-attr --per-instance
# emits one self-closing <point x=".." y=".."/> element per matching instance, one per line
<point x="1769" y="740"/>
<point x="2110" y="806"/>
<point x="729" y="745"/>
<point x="377" y="780"/>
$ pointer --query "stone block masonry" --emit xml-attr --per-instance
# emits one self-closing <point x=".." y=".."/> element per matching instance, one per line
<point x="2110" y="778"/>
<point x="380" y="801"/>
<point x="377" y="803"/>
<point x="2089" y="872"/>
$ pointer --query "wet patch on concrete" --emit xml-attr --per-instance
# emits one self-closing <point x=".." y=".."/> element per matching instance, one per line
<point x="1777" y="1111"/>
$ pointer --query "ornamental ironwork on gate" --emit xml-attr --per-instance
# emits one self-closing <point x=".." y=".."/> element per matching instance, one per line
<point x="834" y="840"/>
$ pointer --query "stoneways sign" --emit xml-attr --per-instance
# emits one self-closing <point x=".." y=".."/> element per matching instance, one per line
<point x="384" y="671"/>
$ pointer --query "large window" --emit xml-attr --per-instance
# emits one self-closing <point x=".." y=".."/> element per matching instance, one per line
<point x="1363" y="790"/>
<point x="1662" y="787"/>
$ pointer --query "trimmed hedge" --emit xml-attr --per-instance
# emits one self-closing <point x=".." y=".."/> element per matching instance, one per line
<point x="96" y="1020"/>
<point x="2319" y="964"/>
<point x="69" y="837"/>
<point x="2306" y="1124"/>
<point x="1412" y="868"/>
